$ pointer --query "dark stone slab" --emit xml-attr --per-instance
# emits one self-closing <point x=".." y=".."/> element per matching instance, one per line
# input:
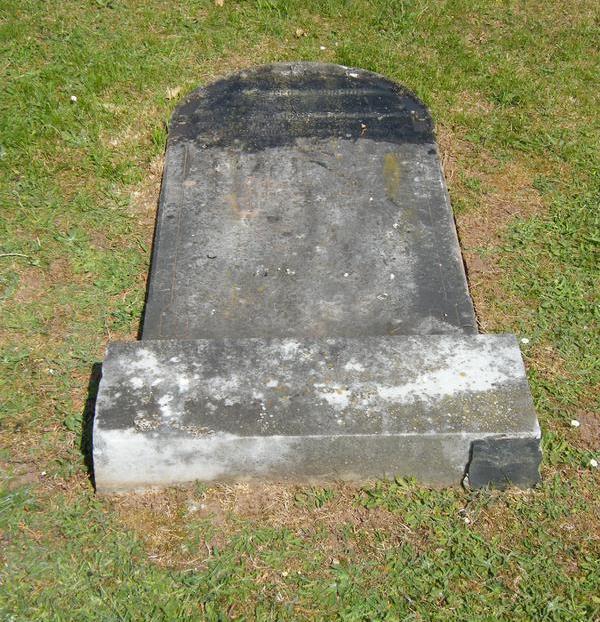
<point x="175" y="411"/>
<point x="504" y="462"/>
<point x="304" y="200"/>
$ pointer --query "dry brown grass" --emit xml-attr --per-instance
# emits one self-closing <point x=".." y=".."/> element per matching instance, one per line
<point x="506" y="194"/>
<point x="340" y="527"/>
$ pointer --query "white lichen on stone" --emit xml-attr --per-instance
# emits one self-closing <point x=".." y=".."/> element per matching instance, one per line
<point x="335" y="395"/>
<point x="289" y="349"/>
<point x="353" y="365"/>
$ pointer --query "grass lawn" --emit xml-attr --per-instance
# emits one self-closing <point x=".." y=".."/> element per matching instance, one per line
<point x="513" y="88"/>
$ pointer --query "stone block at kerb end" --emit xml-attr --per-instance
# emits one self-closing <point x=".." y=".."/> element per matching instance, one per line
<point x="433" y="407"/>
<point x="504" y="462"/>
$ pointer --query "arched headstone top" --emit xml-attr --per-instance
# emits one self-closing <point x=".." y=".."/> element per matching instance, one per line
<point x="275" y="105"/>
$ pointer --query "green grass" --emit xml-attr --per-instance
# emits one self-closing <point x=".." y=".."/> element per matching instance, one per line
<point x="513" y="89"/>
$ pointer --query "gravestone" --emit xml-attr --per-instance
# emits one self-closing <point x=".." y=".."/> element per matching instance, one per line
<point x="308" y="316"/>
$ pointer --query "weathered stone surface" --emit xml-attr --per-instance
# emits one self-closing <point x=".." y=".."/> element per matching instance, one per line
<point x="504" y="462"/>
<point x="304" y="200"/>
<point x="343" y="408"/>
<point x="308" y="315"/>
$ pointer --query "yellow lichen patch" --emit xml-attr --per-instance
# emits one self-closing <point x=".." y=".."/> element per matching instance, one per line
<point x="391" y="175"/>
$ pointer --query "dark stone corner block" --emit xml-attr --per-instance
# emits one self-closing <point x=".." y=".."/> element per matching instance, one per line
<point x="504" y="462"/>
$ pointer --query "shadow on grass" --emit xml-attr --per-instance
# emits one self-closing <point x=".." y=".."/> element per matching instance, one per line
<point x="89" y="408"/>
<point x="152" y="256"/>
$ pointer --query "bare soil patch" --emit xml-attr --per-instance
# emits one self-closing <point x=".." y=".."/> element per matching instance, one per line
<point x="589" y="431"/>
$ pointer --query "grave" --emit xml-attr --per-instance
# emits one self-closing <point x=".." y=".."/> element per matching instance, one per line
<point x="308" y="316"/>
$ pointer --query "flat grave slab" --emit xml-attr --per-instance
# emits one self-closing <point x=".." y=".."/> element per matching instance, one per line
<point x="304" y="200"/>
<point x="308" y="309"/>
